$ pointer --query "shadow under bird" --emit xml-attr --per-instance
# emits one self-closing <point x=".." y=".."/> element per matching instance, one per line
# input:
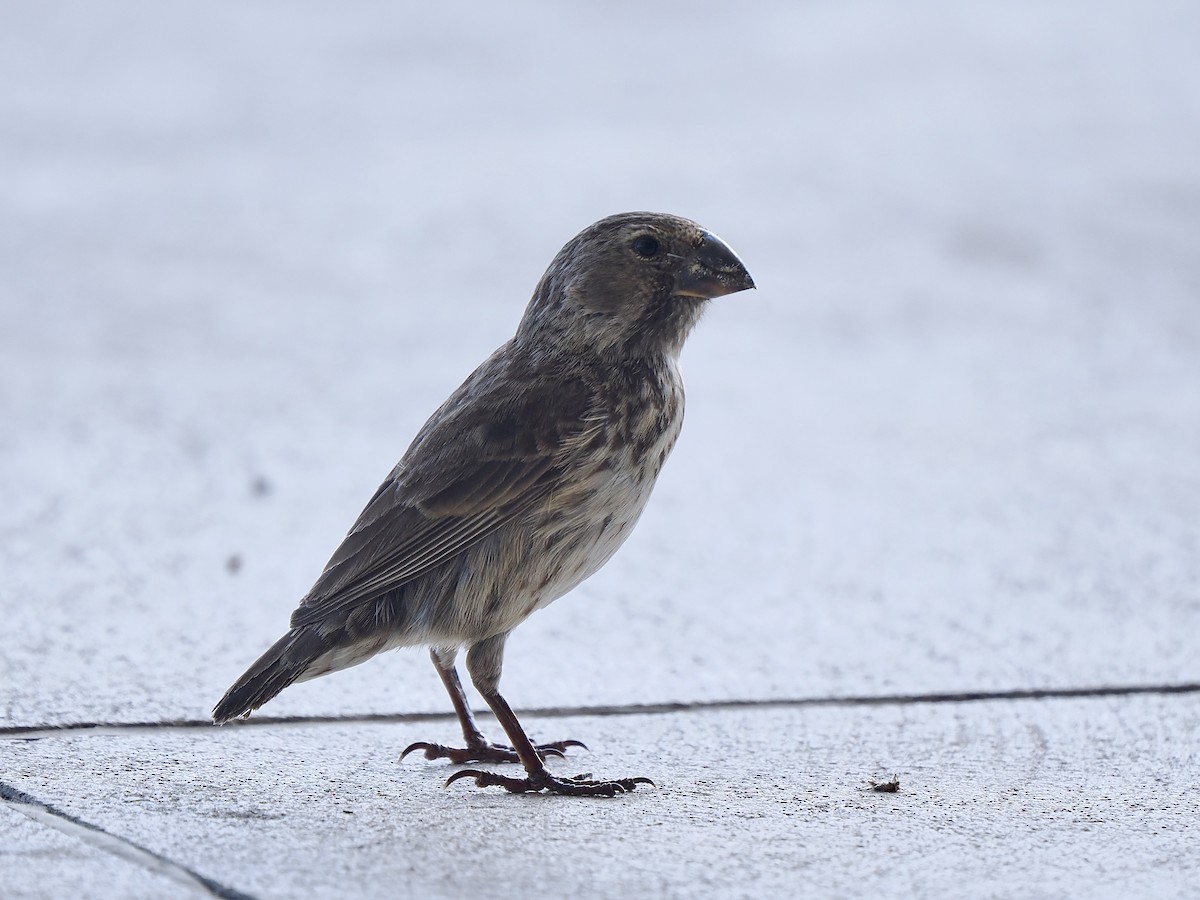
<point x="524" y="483"/>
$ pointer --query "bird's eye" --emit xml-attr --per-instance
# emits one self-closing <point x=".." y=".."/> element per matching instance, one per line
<point x="645" y="246"/>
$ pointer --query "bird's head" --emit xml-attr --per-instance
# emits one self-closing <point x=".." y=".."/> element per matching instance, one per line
<point x="633" y="283"/>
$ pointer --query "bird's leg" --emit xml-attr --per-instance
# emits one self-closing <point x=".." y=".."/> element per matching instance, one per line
<point x="478" y="748"/>
<point x="484" y="661"/>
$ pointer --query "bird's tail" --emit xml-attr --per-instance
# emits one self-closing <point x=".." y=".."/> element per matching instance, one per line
<point x="288" y="660"/>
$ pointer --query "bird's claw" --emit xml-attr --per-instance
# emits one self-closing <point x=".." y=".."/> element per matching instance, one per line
<point x="560" y="745"/>
<point x="557" y="748"/>
<point x="432" y="751"/>
<point x="495" y="753"/>
<point x="488" y="752"/>
<point x="579" y="786"/>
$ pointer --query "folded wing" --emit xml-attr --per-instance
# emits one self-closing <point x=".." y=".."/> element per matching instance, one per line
<point x="496" y="449"/>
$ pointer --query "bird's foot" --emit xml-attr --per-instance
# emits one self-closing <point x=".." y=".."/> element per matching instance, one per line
<point x="486" y="751"/>
<point x="579" y="786"/>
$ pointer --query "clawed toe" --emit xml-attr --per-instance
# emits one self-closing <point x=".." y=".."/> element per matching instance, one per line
<point x="432" y="751"/>
<point x="579" y="786"/>
<point x="495" y="753"/>
<point x="559" y="747"/>
<point x="487" y="752"/>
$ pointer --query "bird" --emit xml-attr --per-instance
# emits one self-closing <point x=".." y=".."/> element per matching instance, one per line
<point x="521" y="485"/>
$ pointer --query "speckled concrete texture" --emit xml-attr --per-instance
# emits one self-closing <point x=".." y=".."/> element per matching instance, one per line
<point x="950" y="446"/>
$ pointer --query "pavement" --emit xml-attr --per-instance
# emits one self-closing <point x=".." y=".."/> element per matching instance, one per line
<point x="934" y="519"/>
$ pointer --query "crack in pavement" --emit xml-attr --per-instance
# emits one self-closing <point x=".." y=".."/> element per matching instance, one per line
<point x="155" y="863"/>
<point x="35" y="732"/>
<point x="106" y="842"/>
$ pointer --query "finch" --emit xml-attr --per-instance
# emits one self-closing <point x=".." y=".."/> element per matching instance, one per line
<point x="521" y="485"/>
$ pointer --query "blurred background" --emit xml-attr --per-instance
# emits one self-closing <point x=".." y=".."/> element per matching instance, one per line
<point x="951" y="443"/>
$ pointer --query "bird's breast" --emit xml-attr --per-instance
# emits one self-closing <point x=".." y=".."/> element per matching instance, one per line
<point x="603" y="493"/>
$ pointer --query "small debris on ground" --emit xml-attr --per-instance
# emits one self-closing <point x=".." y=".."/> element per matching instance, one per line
<point x="889" y="785"/>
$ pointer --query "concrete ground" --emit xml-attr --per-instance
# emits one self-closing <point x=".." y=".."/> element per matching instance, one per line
<point x="935" y="513"/>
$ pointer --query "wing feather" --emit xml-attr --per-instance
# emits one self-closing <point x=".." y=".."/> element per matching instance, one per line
<point x="495" y="449"/>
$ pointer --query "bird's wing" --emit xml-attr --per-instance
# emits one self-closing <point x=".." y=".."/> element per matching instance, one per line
<point x="494" y="450"/>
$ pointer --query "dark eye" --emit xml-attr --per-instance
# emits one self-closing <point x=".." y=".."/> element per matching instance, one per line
<point x="645" y="246"/>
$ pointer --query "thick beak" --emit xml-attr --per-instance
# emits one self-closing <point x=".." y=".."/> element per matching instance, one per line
<point x="712" y="270"/>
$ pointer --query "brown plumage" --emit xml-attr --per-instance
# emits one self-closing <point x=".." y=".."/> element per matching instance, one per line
<point x="524" y="482"/>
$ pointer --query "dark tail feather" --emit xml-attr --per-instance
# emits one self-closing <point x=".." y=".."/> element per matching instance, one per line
<point x="286" y="661"/>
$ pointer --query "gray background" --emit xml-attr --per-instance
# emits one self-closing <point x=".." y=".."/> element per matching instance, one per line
<point x="951" y="444"/>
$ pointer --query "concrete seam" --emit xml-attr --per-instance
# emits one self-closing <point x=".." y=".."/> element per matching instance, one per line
<point x="115" y="845"/>
<point x="35" y="732"/>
